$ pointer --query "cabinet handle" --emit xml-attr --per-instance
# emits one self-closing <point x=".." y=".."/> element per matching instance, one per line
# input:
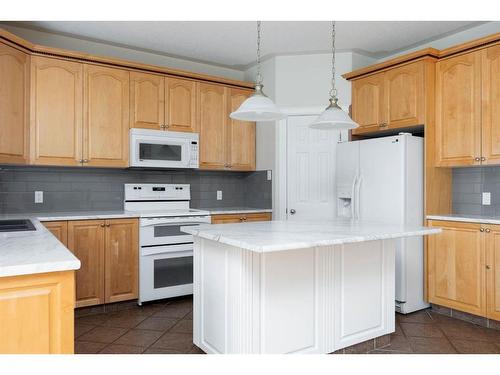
<point x="241" y="219"/>
<point x="245" y="218"/>
<point x="85" y="160"/>
<point x="383" y="125"/>
<point x="477" y="158"/>
<point x="488" y="267"/>
<point x="483" y="158"/>
<point x="102" y="225"/>
<point x="166" y="126"/>
<point x="481" y="230"/>
<point x="108" y="225"/>
<point x="487" y="230"/>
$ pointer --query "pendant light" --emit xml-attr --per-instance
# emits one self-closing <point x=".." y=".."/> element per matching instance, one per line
<point x="258" y="107"/>
<point x="333" y="117"/>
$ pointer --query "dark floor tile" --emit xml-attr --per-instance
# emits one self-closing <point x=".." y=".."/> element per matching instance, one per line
<point x="139" y="337"/>
<point x="196" y="350"/>
<point x="173" y="311"/>
<point x="399" y="343"/>
<point x="162" y="351"/>
<point x="431" y="345"/>
<point x="479" y="320"/>
<point x="469" y="331"/>
<point x="361" y="348"/>
<point x="397" y="330"/>
<point x="182" y="342"/>
<point x="183" y="326"/>
<point x="382" y="341"/>
<point x="122" y="349"/>
<point x="417" y="317"/>
<point x="421" y="330"/>
<point x="162" y="324"/>
<point x="383" y="351"/>
<point x="85" y="347"/>
<point x="81" y="328"/>
<point x="189" y="316"/>
<point x="475" y="347"/>
<point x="124" y="319"/>
<point x="96" y="319"/>
<point x="103" y="334"/>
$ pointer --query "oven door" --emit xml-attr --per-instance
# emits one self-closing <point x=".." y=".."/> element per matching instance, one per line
<point x="154" y="232"/>
<point x="165" y="271"/>
<point x="159" y="152"/>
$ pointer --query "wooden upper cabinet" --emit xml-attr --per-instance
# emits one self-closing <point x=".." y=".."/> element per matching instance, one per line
<point x="106" y="117"/>
<point x="56" y="112"/>
<point x="368" y="103"/>
<point x="405" y="95"/>
<point x="121" y="259"/>
<point x="493" y="272"/>
<point x="86" y="241"/>
<point x="212" y="120"/>
<point x="147" y="101"/>
<point x="490" y="68"/>
<point x="14" y="109"/>
<point x="59" y="229"/>
<point x="458" y="110"/>
<point x="456" y="267"/>
<point x="240" y="135"/>
<point x="180" y="105"/>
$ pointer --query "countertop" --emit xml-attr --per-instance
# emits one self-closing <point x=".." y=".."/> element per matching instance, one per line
<point x="235" y="210"/>
<point x="74" y="215"/>
<point x="467" y="218"/>
<point x="271" y="236"/>
<point x="30" y="252"/>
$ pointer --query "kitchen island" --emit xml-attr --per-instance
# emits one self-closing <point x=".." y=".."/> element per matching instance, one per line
<point x="294" y="287"/>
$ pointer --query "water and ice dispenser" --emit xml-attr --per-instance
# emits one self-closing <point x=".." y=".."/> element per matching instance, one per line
<point x="344" y="200"/>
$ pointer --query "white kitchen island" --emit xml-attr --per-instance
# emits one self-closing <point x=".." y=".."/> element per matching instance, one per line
<point x="292" y="287"/>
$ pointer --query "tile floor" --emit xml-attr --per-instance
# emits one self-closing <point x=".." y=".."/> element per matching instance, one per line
<point x="166" y="328"/>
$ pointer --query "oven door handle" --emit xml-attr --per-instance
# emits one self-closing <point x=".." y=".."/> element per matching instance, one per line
<point x="150" y="223"/>
<point x="171" y="250"/>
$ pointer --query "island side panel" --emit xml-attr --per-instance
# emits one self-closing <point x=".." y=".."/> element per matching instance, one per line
<point x="364" y="291"/>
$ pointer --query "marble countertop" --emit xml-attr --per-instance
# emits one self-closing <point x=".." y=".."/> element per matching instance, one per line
<point x="271" y="236"/>
<point x="73" y="215"/>
<point x="467" y="218"/>
<point x="30" y="252"/>
<point x="235" y="210"/>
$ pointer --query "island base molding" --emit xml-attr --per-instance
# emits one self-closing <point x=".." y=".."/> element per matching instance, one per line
<point x="313" y="300"/>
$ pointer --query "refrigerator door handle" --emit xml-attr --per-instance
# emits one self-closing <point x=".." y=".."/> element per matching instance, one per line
<point x="358" y="196"/>
<point x="353" y="196"/>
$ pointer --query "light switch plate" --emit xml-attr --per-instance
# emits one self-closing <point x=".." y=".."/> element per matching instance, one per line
<point x="486" y="198"/>
<point x="38" y="196"/>
<point x="269" y="175"/>
<point x="219" y="195"/>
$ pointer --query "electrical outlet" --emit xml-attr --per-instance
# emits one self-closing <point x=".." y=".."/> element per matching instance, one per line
<point x="219" y="195"/>
<point x="486" y="198"/>
<point x="269" y="175"/>
<point x="38" y="196"/>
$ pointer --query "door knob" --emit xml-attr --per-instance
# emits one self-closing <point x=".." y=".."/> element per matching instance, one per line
<point x="292" y="211"/>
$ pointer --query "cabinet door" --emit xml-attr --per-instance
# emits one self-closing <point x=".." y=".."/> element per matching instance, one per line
<point x="14" y="97"/>
<point x="493" y="272"/>
<point x="121" y="259"/>
<point x="261" y="216"/>
<point x="456" y="265"/>
<point x="458" y="110"/>
<point x="212" y="117"/>
<point x="106" y="117"/>
<point x="240" y="135"/>
<point x="368" y="102"/>
<point x="147" y="101"/>
<point x="59" y="229"/>
<point x="404" y="95"/>
<point x="86" y="241"/>
<point x="180" y="107"/>
<point x="56" y="112"/>
<point x="490" y="68"/>
<point x="227" y="218"/>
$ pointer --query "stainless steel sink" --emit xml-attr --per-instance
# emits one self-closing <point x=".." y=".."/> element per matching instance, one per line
<point x="16" y="225"/>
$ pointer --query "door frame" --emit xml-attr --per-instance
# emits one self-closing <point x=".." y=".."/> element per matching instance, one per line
<point x="280" y="177"/>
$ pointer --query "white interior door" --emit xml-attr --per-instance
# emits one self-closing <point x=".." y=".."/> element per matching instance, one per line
<point x="310" y="170"/>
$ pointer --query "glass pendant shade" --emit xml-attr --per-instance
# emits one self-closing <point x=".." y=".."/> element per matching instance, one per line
<point x="258" y="107"/>
<point x="334" y="117"/>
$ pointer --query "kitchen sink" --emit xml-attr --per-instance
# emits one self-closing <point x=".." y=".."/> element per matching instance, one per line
<point x="16" y="225"/>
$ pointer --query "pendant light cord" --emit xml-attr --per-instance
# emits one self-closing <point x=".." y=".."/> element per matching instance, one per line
<point x="258" y="79"/>
<point x="333" y="91"/>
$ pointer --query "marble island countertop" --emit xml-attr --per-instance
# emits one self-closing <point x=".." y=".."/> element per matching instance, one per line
<point x="30" y="252"/>
<point x="290" y="235"/>
<point x="483" y="219"/>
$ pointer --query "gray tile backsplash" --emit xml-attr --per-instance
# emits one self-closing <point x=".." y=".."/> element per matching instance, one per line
<point x="73" y="189"/>
<point x="468" y="186"/>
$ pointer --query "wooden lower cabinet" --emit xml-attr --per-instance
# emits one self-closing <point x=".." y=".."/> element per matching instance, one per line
<point x="48" y="331"/>
<point x="239" y="218"/>
<point x="108" y="252"/>
<point x="464" y="267"/>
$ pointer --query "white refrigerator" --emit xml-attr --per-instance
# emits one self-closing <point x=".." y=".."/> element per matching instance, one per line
<point x="382" y="179"/>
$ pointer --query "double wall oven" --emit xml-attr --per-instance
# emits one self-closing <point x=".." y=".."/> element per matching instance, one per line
<point x="166" y="253"/>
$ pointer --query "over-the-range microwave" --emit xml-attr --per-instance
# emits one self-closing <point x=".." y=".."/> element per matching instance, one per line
<point x="163" y="149"/>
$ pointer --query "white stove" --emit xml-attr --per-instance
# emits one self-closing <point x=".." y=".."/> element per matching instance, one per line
<point x="166" y="253"/>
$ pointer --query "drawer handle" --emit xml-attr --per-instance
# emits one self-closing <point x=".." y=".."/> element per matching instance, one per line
<point x="487" y="230"/>
<point x="477" y="158"/>
<point x="488" y="267"/>
<point x="481" y="230"/>
<point x="102" y="225"/>
<point x="383" y="125"/>
<point x="483" y="158"/>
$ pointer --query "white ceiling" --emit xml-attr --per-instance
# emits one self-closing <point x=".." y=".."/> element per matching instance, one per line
<point x="232" y="44"/>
